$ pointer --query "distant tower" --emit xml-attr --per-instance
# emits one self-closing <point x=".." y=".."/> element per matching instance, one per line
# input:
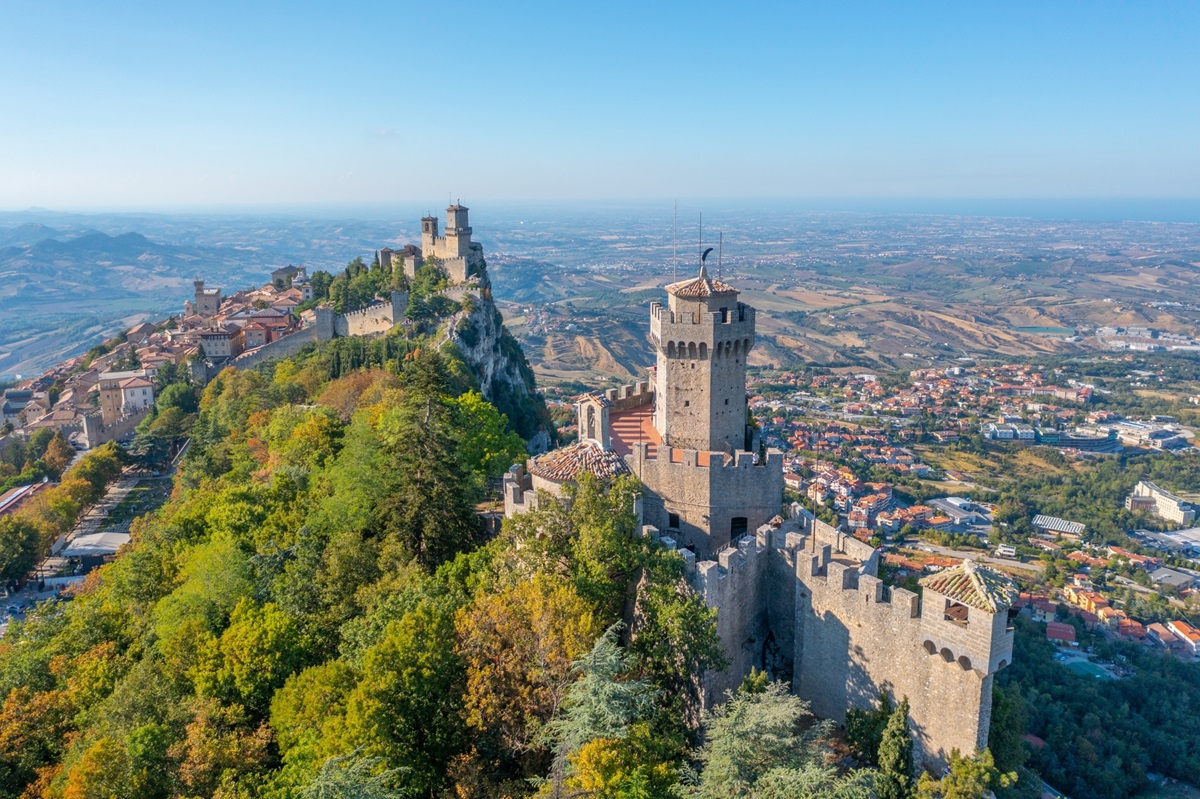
<point x="458" y="232"/>
<point x="429" y="235"/>
<point x="702" y="339"/>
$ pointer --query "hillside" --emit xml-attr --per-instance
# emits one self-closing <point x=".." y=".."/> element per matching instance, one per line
<point x="59" y="295"/>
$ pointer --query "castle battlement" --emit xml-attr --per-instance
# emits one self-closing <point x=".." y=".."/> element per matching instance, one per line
<point x="630" y="395"/>
<point x="699" y="459"/>
<point x="700" y="327"/>
<point x="519" y="494"/>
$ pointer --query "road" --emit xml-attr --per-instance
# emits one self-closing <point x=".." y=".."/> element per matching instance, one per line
<point x="978" y="557"/>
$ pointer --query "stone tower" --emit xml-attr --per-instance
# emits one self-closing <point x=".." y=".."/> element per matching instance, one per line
<point x="429" y="234"/>
<point x="701" y="340"/>
<point x="458" y="232"/>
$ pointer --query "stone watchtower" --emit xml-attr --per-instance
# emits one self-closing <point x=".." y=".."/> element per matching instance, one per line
<point x="429" y="234"/>
<point x="458" y="232"/>
<point x="702" y="339"/>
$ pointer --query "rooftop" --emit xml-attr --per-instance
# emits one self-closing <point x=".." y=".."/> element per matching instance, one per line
<point x="701" y="287"/>
<point x="973" y="585"/>
<point x="565" y="464"/>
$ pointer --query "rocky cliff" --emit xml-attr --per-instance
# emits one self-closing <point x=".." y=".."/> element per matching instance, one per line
<point x="498" y="363"/>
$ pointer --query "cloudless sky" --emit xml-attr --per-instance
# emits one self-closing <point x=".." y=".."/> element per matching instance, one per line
<point x="165" y="104"/>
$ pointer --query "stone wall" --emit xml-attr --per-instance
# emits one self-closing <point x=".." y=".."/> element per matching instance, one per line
<point x="280" y="348"/>
<point x="377" y="318"/>
<point x="519" y="494"/>
<point x="803" y="602"/>
<point x="707" y="498"/>
<point x="856" y="638"/>
<point x="97" y="433"/>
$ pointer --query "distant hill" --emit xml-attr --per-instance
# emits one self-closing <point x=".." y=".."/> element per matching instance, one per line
<point x="58" y="295"/>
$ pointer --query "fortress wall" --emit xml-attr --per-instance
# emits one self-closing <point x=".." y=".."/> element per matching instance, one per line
<point x="98" y="433"/>
<point x="457" y="293"/>
<point x="367" y="321"/>
<point x="707" y="498"/>
<point x="853" y="640"/>
<point x="280" y="348"/>
<point x="731" y="585"/>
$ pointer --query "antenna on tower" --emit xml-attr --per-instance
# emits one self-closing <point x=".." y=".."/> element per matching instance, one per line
<point x="675" y="246"/>
<point x="720" y="251"/>
<point x="700" y="248"/>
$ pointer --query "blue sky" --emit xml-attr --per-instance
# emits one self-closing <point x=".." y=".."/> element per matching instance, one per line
<point x="171" y="105"/>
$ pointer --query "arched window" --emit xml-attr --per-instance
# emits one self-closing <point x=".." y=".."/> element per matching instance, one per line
<point x="670" y="349"/>
<point x="692" y="349"/>
<point x="703" y="351"/>
<point x="591" y="422"/>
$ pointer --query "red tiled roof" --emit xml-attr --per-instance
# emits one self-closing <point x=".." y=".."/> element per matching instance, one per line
<point x="973" y="585"/>
<point x="1058" y="631"/>
<point x="702" y="286"/>
<point x="564" y="464"/>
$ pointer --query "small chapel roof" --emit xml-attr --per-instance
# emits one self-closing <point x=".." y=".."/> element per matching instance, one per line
<point x="973" y="585"/>
<point x="565" y="464"/>
<point x="701" y="287"/>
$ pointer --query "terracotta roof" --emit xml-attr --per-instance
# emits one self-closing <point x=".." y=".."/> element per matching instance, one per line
<point x="973" y="585"/>
<point x="564" y="464"/>
<point x="600" y="397"/>
<point x="702" y="286"/>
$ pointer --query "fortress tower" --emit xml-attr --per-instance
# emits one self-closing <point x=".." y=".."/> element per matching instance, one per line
<point x="702" y="339"/>
<point x="460" y="257"/>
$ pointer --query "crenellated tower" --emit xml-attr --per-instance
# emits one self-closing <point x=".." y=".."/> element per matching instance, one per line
<point x="702" y="339"/>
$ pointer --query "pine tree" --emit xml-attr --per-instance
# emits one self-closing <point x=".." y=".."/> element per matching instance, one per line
<point x="896" y="757"/>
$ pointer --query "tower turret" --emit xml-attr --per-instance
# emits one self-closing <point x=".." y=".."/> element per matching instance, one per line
<point x="458" y="232"/>
<point x="702" y="339"/>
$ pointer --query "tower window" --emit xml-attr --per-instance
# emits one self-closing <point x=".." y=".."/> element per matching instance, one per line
<point x="956" y="612"/>
<point x="726" y="402"/>
<point x="673" y="521"/>
<point x="686" y="403"/>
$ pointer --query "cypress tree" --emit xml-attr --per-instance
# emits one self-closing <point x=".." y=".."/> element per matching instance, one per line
<point x="895" y="757"/>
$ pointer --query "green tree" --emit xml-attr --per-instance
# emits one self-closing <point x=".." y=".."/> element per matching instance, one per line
<point x="968" y="778"/>
<point x="486" y="445"/>
<point x="425" y="513"/>
<point x="895" y="780"/>
<point x="407" y="708"/>
<point x="353" y="776"/>
<point x="254" y="656"/>
<point x="755" y="747"/>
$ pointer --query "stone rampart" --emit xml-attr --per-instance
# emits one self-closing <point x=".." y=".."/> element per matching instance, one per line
<point x="280" y="348"/>
<point x="377" y="318"/>
<point x="519" y="494"/>
<point x="855" y="638"/>
<point x="731" y="584"/>
<point x="97" y="433"/>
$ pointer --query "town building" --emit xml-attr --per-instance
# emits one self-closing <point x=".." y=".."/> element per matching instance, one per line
<point x="1148" y="497"/>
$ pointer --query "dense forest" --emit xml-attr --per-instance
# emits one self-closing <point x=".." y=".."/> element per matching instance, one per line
<point x="1097" y="738"/>
<point x="319" y="611"/>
